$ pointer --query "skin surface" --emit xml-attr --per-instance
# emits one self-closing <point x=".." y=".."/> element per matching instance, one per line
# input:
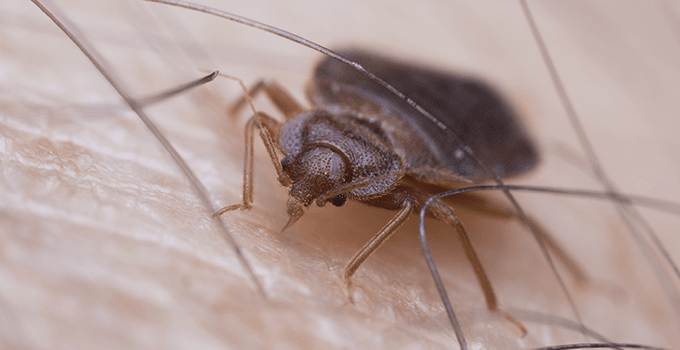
<point x="103" y="244"/>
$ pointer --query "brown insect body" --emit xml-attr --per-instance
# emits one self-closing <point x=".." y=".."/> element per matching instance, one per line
<point x="471" y="109"/>
<point x="360" y="131"/>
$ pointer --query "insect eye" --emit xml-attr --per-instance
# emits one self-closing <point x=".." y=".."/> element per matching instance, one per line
<point x="284" y="163"/>
<point x="339" y="200"/>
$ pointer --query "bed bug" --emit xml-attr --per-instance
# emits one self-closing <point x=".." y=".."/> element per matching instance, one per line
<point x="362" y="143"/>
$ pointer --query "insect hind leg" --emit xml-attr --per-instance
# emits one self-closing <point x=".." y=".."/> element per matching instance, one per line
<point x="444" y="213"/>
<point x="484" y="206"/>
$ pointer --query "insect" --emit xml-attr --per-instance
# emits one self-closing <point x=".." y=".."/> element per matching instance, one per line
<point x="362" y="144"/>
<point x="167" y="272"/>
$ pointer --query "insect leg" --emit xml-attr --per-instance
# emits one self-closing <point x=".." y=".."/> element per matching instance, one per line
<point x="484" y="206"/>
<point x="372" y="245"/>
<point x="443" y="212"/>
<point x="269" y="130"/>
<point x="281" y="98"/>
<point x="268" y="126"/>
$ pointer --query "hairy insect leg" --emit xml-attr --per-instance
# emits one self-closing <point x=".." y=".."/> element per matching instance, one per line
<point x="267" y="126"/>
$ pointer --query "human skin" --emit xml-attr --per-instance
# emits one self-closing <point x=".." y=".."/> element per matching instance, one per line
<point x="105" y="245"/>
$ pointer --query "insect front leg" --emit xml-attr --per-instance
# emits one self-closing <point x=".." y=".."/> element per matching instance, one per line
<point x="269" y="130"/>
<point x="268" y="126"/>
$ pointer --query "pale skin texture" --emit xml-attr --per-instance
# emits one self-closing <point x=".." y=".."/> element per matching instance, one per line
<point x="102" y="243"/>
